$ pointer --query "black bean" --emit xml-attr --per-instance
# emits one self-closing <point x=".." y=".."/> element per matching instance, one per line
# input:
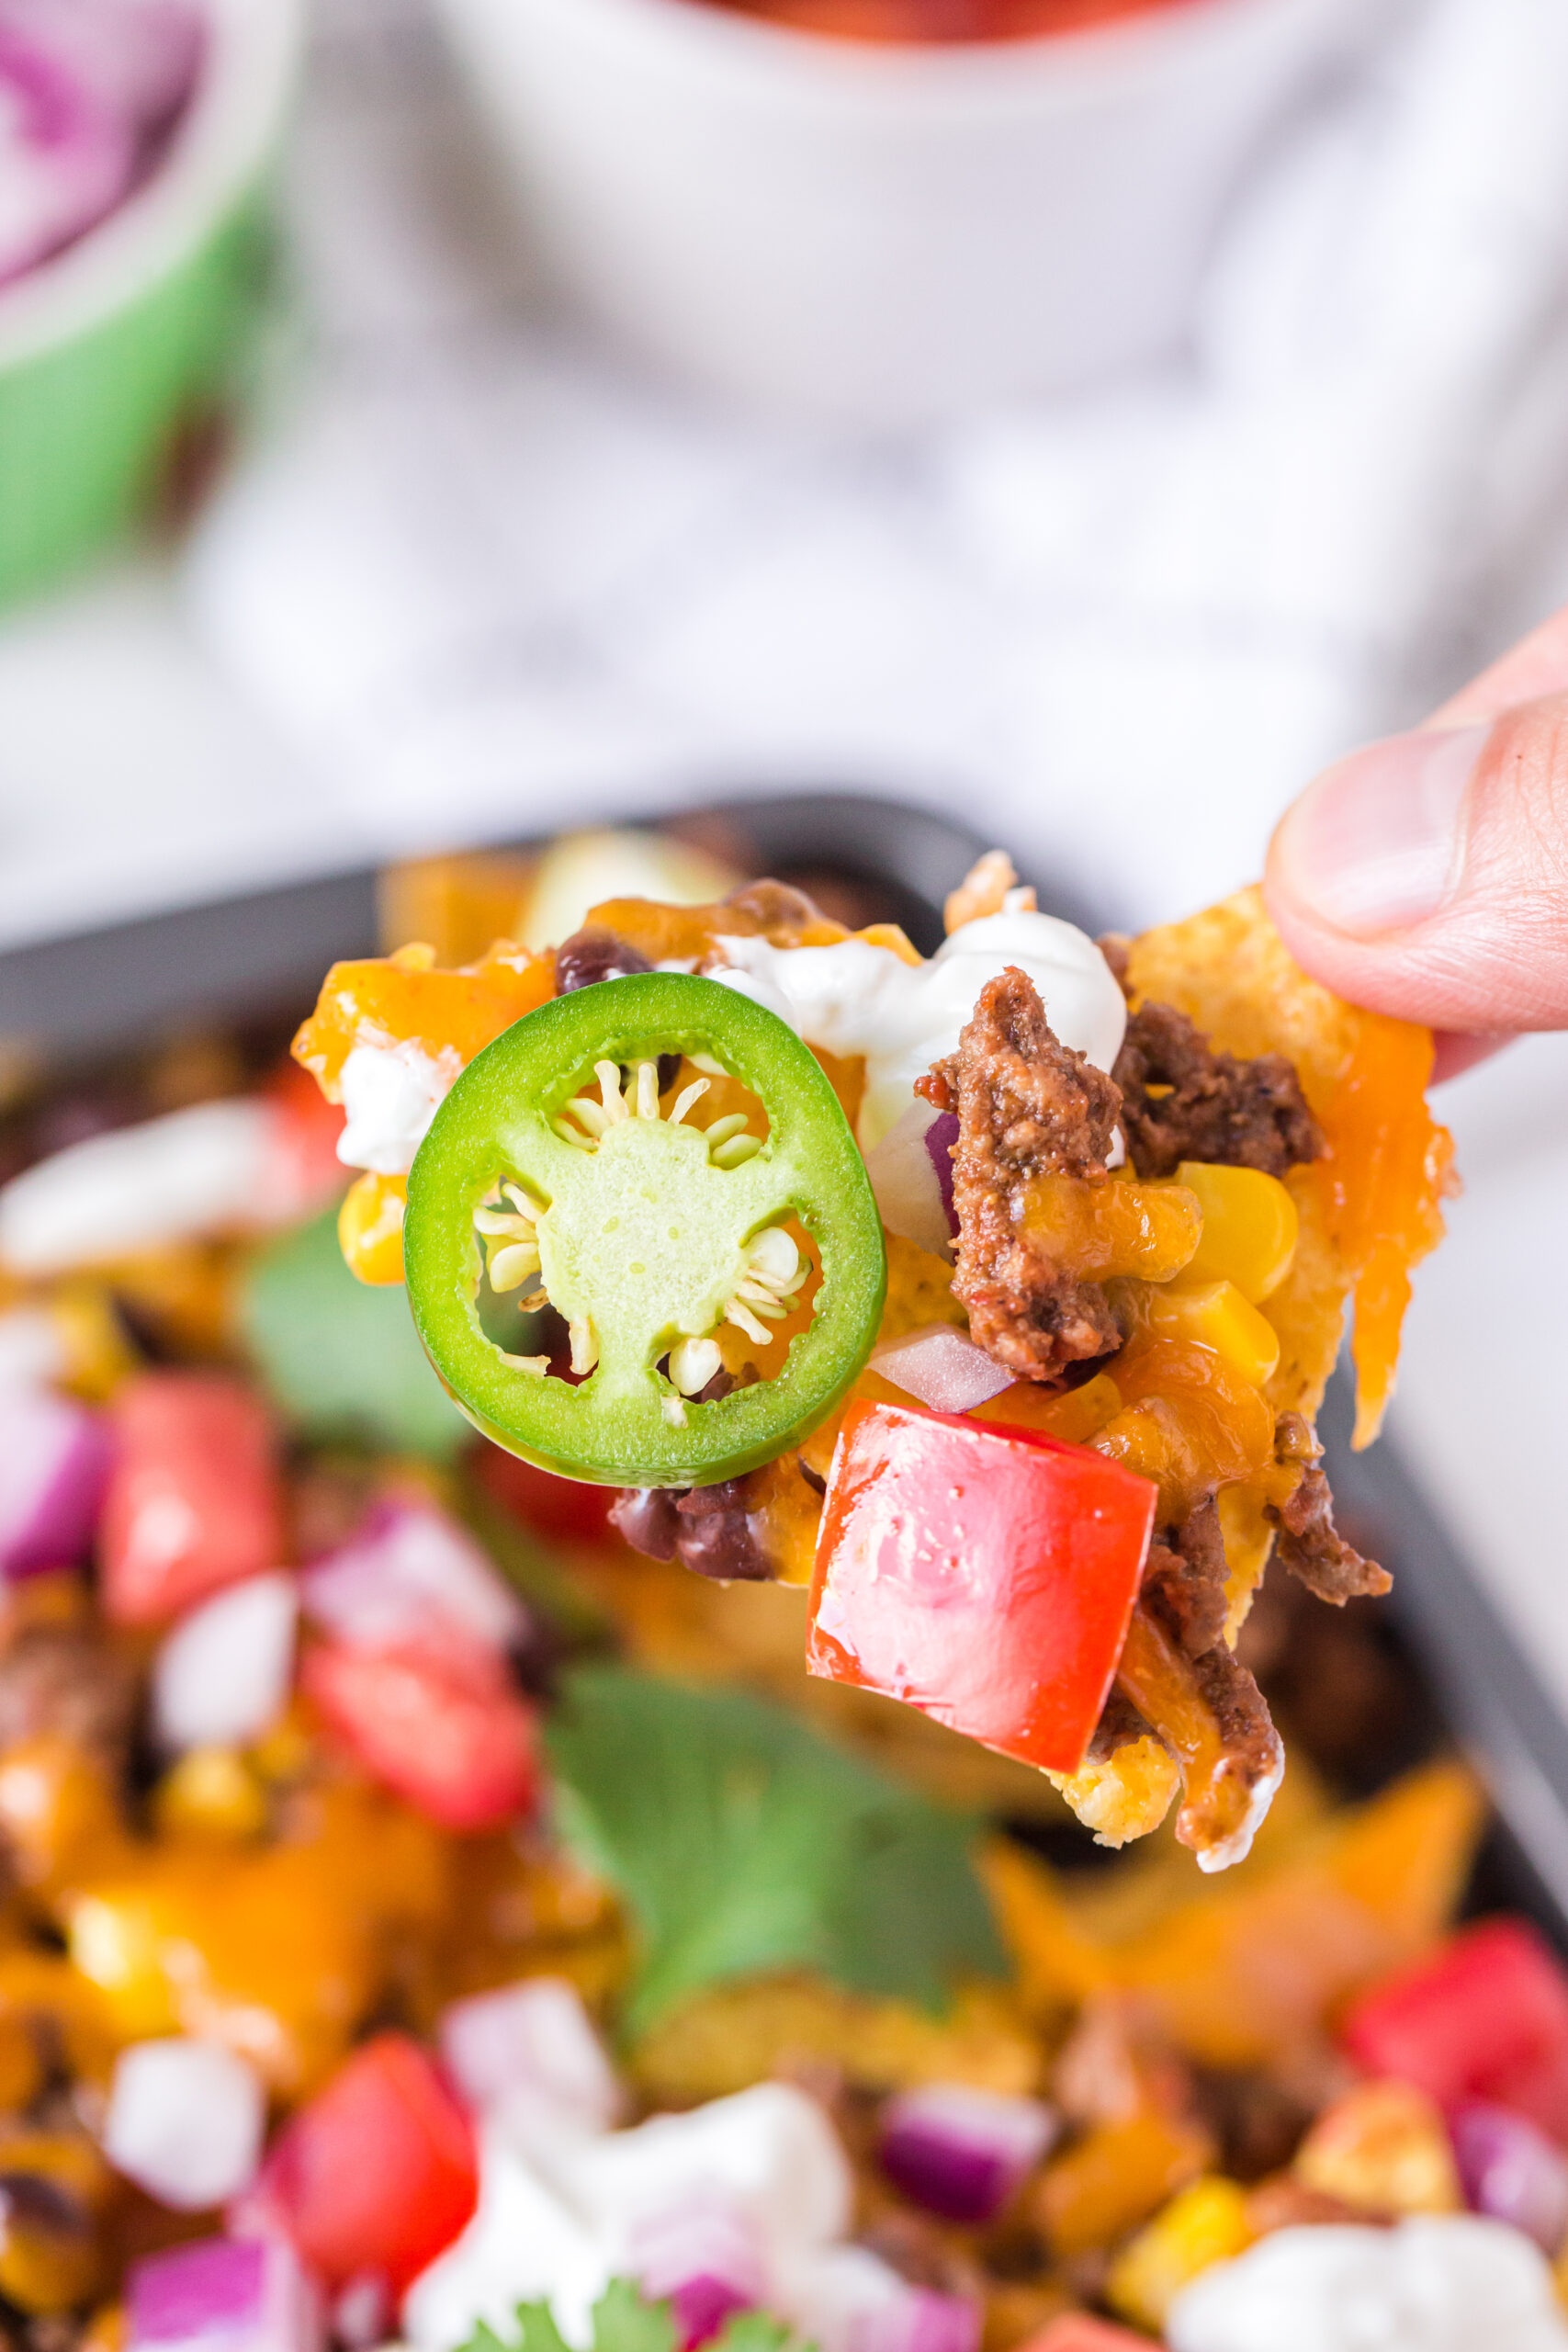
<point x="591" y="956"/>
<point x="31" y="2200"/>
<point x="645" y="1517"/>
<point x="715" y="1536"/>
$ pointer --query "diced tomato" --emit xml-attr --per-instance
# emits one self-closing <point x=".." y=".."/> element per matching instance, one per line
<point x="376" y="2175"/>
<point x="1486" y="2018"/>
<point x="307" y="1172"/>
<point x="194" y="1499"/>
<point x="444" y="1729"/>
<point x="564" y="1508"/>
<point x="984" y="1575"/>
<point x="1077" y="2331"/>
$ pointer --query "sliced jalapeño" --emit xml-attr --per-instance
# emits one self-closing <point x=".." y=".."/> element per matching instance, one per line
<point x="557" y="1170"/>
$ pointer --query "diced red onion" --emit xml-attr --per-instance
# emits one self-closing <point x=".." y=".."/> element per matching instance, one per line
<point x="705" y="2262"/>
<point x="222" y="2295"/>
<point x="963" y="2152"/>
<point x="941" y="1138"/>
<point x="1512" y="2172"/>
<point x="942" y="1367"/>
<point x="847" y="2299"/>
<point x="772" y="2148"/>
<point x="411" y="1574"/>
<point x="185" y="2121"/>
<point x="921" y="2320"/>
<point x="54" y="1464"/>
<point x="223" y="1676"/>
<point x="907" y="1178"/>
<point x="532" y="2037"/>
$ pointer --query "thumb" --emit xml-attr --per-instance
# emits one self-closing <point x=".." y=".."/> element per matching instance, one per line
<point x="1426" y="876"/>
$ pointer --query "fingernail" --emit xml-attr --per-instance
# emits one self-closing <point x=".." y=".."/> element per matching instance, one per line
<point x="1375" y="842"/>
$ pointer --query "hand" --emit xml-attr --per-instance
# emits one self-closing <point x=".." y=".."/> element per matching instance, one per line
<point x="1427" y="875"/>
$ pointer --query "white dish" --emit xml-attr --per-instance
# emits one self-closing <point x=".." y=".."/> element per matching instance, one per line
<point x="887" y="234"/>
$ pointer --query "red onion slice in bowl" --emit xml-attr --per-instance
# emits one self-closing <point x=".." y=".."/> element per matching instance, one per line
<point x="942" y="1368"/>
<point x="66" y="158"/>
<point x="88" y="90"/>
<point x="1511" y="2172"/>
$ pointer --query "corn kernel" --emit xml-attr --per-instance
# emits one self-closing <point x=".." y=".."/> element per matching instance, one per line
<point x="1382" y="2149"/>
<point x="370" y="1228"/>
<point x="98" y="1357"/>
<point x="1100" y="1231"/>
<point x="1250" y="1226"/>
<point x="1205" y="2224"/>
<point x="1218" y="1316"/>
<point x="211" y="1793"/>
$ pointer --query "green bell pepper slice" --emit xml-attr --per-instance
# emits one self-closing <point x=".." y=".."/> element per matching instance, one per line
<point x="648" y="1232"/>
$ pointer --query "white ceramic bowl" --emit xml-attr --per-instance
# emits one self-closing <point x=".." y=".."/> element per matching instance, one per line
<point x="887" y="234"/>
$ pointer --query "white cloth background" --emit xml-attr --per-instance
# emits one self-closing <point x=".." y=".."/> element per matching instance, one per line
<point x="478" y="570"/>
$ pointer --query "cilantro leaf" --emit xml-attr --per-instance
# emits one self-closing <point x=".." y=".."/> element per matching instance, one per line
<point x="744" y="1844"/>
<point x="537" y="2332"/>
<point x="624" y="2321"/>
<point x="341" y="1360"/>
<point x="754" y="2332"/>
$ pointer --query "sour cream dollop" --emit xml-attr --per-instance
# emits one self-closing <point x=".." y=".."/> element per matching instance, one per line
<point x="856" y="999"/>
<point x="391" y="1093"/>
<point x="1440" y="2284"/>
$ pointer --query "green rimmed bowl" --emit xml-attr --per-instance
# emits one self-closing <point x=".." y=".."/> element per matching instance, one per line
<point x="105" y="349"/>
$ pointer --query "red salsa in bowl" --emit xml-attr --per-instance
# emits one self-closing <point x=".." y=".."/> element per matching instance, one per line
<point x="945" y="21"/>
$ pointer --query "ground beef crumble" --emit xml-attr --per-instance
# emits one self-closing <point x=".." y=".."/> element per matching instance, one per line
<point x="1310" y="1546"/>
<point x="1245" y="1727"/>
<point x="1027" y="1107"/>
<point x="1184" y="1582"/>
<point x="1183" y="1100"/>
<point x="66" y="1681"/>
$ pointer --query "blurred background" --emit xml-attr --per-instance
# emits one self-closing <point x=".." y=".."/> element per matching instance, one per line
<point x="426" y="423"/>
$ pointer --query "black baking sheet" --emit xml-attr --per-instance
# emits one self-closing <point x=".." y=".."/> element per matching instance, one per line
<point x="252" y="957"/>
